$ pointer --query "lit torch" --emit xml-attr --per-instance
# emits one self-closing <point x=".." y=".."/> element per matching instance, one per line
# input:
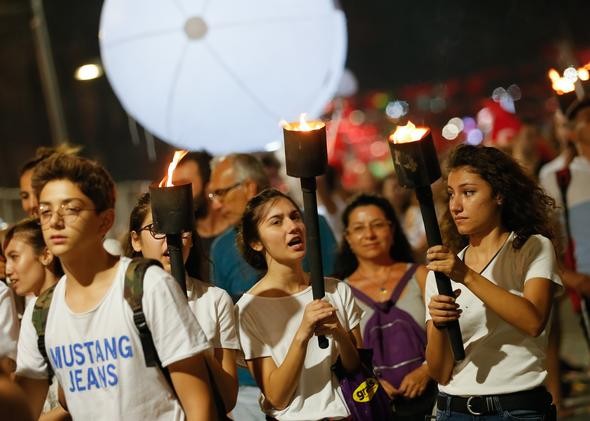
<point x="172" y="212"/>
<point x="306" y="157"/>
<point x="564" y="88"/>
<point x="416" y="166"/>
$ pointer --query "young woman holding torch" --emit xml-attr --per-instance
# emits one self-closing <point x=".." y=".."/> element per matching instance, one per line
<point x="278" y="317"/>
<point x="212" y="306"/>
<point x="504" y="281"/>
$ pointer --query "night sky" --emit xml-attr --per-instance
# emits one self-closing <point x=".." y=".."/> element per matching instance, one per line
<point x="393" y="45"/>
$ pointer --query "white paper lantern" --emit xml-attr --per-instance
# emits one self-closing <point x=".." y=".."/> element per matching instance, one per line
<point x="221" y="74"/>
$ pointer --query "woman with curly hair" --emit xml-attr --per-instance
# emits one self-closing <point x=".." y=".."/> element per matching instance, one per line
<point x="504" y="280"/>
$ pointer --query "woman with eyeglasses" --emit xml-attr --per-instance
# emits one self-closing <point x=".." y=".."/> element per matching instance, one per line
<point x="212" y="306"/>
<point x="375" y="259"/>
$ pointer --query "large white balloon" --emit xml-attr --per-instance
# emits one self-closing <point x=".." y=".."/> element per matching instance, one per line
<point x="221" y="74"/>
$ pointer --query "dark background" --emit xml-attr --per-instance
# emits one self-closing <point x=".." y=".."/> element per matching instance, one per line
<point x="457" y="50"/>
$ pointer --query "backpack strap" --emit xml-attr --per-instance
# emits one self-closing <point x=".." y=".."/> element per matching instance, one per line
<point x="39" y="319"/>
<point x="397" y="291"/>
<point x="133" y="292"/>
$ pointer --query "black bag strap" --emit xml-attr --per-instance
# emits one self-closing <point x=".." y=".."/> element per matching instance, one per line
<point x="39" y="319"/>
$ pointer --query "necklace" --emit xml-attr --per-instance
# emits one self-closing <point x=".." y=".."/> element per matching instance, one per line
<point x="380" y="282"/>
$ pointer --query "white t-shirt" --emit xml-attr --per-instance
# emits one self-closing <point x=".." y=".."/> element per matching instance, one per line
<point x="8" y="323"/>
<point x="97" y="355"/>
<point x="214" y="310"/>
<point x="499" y="358"/>
<point x="267" y="326"/>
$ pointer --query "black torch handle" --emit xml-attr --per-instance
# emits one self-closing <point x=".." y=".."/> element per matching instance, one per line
<point x="310" y="214"/>
<point x="443" y="283"/>
<point x="174" y="243"/>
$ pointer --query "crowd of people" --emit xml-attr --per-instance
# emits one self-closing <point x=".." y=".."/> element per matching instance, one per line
<point x="88" y="334"/>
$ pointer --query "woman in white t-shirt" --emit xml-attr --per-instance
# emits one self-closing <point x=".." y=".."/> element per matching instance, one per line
<point x="31" y="269"/>
<point x="212" y="306"/>
<point x="504" y="281"/>
<point x="278" y="317"/>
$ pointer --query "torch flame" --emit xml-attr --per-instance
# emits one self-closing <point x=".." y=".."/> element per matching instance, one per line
<point x="302" y="125"/>
<point x="408" y="133"/>
<point x="178" y="155"/>
<point x="562" y="85"/>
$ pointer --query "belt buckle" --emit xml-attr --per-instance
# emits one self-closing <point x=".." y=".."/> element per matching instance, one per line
<point x="472" y="411"/>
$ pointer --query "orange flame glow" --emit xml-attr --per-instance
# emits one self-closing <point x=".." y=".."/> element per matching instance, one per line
<point x="178" y="155"/>
<point x="562" y="85"/>
<point x="302" y="125"/>
<point x="408" y="133"/>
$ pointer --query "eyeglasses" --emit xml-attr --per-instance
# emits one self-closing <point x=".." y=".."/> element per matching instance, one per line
<point x="69" y="212"/>
<point x="160" y="235"/>
<point x="219" y="194"/>
<point x="377" y="225"/>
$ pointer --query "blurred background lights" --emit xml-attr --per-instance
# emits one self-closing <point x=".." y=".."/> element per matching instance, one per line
<point x="88" y="72"/>
<point x="583" y="74"/>
<point x="457" y="122"/>
<point x="515" y="92"/>
<point x="397" y="109"/>
<point x="469" y="124"/>
<point x="378" y="149"/>
<point x="450" y="131"/>
<point x="485" y="120"/>
<point x="570" y="74"/>
<point x="357" y="117"/>
<point x="474" y="137"/>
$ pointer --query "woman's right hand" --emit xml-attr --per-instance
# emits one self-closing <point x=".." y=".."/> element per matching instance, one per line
<point x="314" y="312"/>
<point x="443" y="309"/>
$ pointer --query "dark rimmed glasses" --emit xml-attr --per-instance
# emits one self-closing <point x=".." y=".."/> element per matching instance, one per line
<point x="219" y="194"/>
<point x="160" y="235"/>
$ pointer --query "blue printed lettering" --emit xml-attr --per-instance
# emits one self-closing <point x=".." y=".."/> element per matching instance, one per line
<point x="88" y="362"/>
<point x="72" y="387"/>
<point x="78" y="380"/>
<point x="99" y="355"/>
<point x="125" y="351"/>
<point x="55" y="354"/>
<point x="92" y="381"/>
<point x="102" y="375"/>
<point x="65" y="354"/>
<point x="88" y="346"/>
<point x="110" y="347"/>
<point x="111" y="370"/>
<point x="78" y="350"/>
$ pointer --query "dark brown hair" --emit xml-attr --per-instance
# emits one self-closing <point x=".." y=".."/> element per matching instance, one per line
<point x="90" y="177"/>
<point x="400" y="250"/>
<point x="526" y="209"/>
<point x="138" y="214"/>
<point x="30" y="231"/>
<point x="248" y="226"/>
<point x="44" y="152"/>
